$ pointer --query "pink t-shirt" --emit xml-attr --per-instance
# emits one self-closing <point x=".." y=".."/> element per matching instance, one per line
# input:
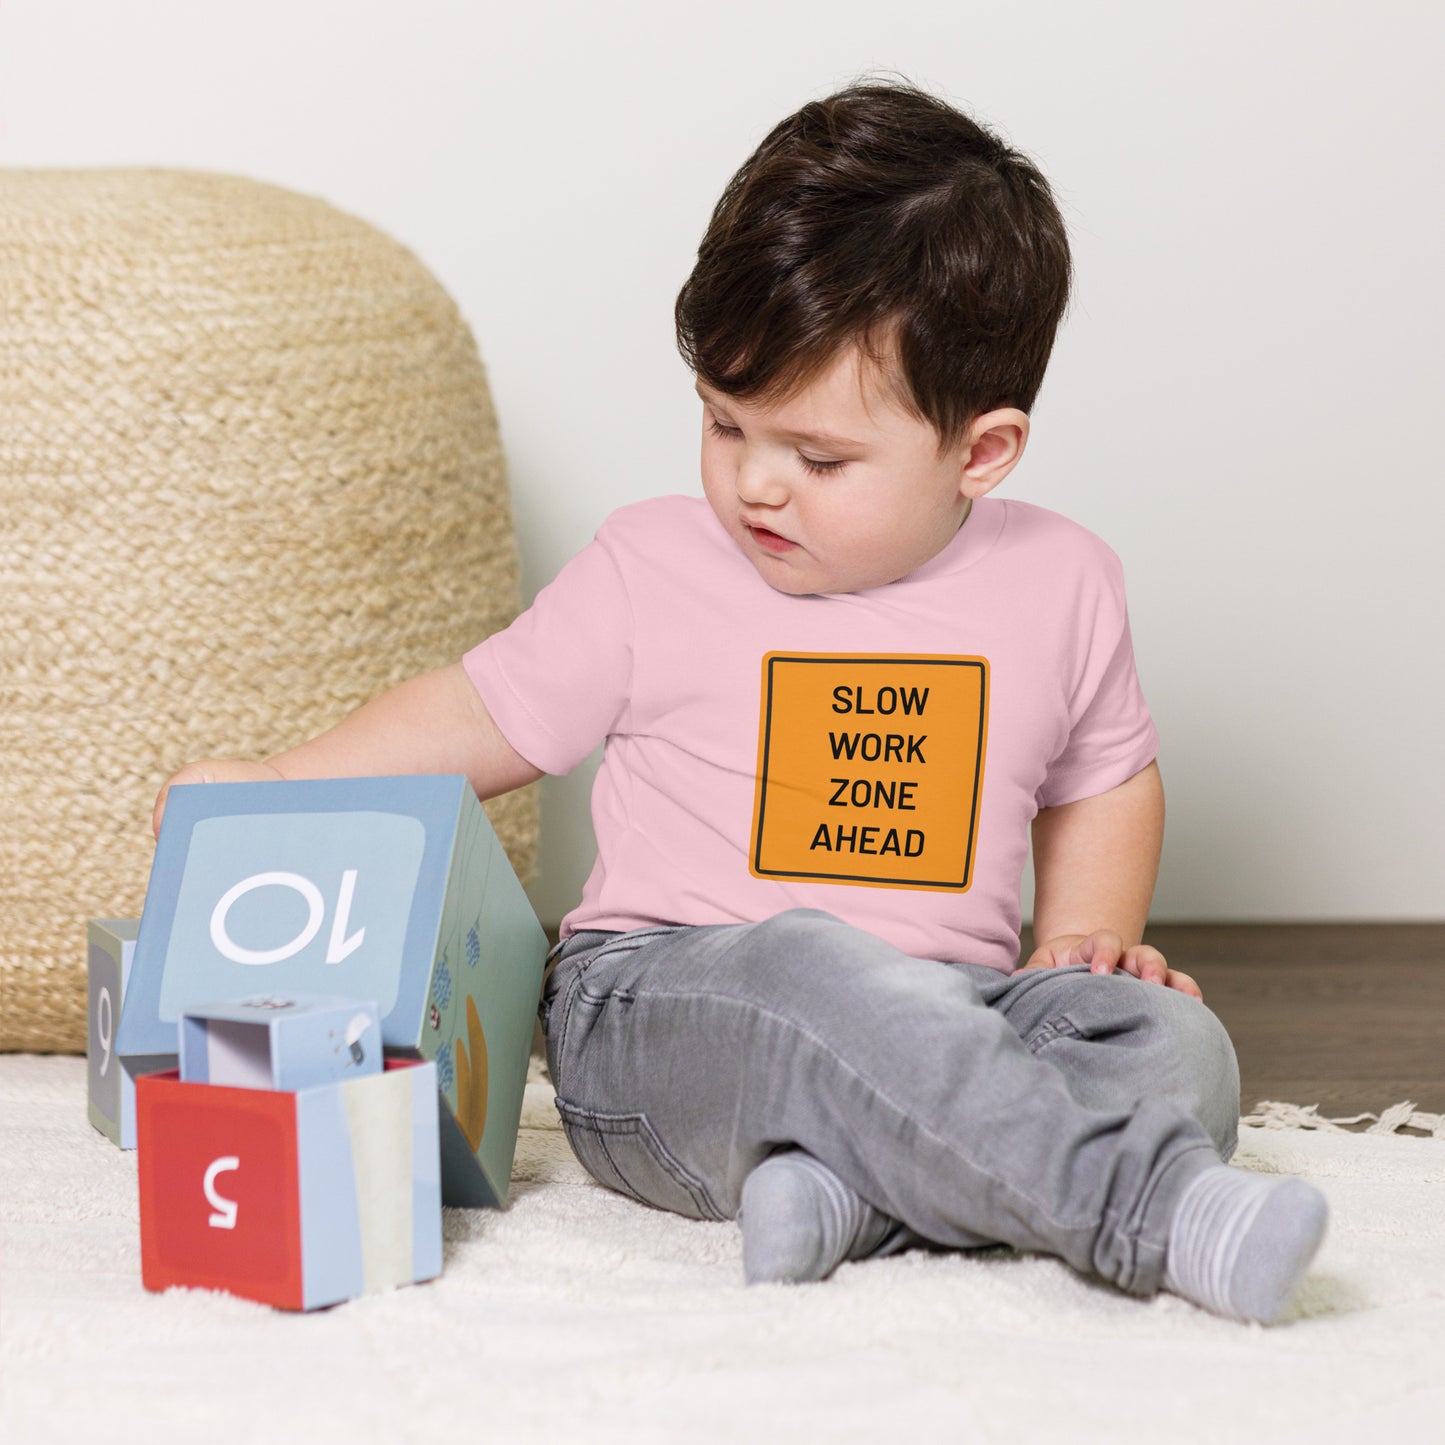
<point x="878" y="755"/>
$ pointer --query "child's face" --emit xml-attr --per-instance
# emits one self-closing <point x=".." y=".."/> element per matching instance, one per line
<point x="859" y="507"/>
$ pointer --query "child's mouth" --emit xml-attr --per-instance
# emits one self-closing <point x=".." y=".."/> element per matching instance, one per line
<point x="770" y="541"/>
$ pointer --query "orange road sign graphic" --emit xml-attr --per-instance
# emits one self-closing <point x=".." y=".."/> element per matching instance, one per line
<point x="870" y="768"/>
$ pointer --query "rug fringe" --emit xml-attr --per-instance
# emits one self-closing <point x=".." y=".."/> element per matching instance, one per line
<point x="1271" y="1114"/>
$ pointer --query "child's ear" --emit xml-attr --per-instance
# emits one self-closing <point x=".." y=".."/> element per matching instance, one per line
<point x="991" y="450"/>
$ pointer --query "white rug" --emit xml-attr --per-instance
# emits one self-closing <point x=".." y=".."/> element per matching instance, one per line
<point x="577" y="1315"/>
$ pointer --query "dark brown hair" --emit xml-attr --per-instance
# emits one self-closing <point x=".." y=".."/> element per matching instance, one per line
<point x="884" y="217"/>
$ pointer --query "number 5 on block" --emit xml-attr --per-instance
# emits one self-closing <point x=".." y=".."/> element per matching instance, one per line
<point x="297" y="1199"/>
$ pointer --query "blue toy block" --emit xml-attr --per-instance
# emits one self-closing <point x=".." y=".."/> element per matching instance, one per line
<point x="285" y="1043"/>
<point x="111" y="1079"/>
<point x="390" y="889"/>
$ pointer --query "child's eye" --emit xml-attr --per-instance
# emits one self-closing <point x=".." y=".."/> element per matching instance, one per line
<point x="719" y="430"/>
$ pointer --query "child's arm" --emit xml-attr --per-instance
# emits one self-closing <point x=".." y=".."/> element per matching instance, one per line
<point x="1095" y="864"/>
<point x="435" y="723"/>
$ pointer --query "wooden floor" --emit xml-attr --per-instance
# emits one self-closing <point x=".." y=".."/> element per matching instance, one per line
<point x="1349" y="1016"/>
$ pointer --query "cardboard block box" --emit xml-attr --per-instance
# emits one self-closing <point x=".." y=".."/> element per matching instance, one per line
<point x="295" y="1199"/>
<point x="288" y="1042"/>
<point x="391" y="889"/>
<point x="111" y="1079"/>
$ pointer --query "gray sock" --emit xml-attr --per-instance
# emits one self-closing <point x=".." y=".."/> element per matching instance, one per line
<point x="800" y="1221"/>
<point x="1239" y="1243"/>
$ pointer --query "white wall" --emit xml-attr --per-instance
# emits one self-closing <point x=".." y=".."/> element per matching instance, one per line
<point x="1242" y="402"/>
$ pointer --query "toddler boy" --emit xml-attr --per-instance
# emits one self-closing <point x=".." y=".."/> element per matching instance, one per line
<point x="836" y="692"/>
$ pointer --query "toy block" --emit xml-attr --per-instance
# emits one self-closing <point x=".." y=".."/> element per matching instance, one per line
<point x="391" y="889"/>
<point x="297" y="1199"/>
<point x="111" y="1079"/>
<point x="283" y="1043"/>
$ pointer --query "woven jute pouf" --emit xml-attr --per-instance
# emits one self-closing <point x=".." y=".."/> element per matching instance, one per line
<point x="250" y="476"/>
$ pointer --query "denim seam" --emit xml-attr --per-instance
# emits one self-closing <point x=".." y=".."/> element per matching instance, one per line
<point x="621" y="1177"/>
<point x="627" y="943"/>
<point x="601" y="1123"/>
<point x="652" y="1141"/>
<point x="1051" y="1029"/>
<point x="1139" y="1245"/>
<point x="622" y="1186"/>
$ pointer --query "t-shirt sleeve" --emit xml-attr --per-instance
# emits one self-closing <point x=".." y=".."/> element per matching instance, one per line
<point x="557" y="680"/>
<point x="1111" y="734"/>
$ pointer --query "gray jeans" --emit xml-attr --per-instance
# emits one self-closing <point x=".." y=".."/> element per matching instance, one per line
<point x="1052" y="1110"/>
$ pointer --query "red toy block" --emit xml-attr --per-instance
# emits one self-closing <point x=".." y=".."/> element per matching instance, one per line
<point x="220" y="1202"/>
<point x="297" y="1199"/>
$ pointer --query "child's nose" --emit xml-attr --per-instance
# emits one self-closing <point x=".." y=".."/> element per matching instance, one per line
<point x="759" y="483"/>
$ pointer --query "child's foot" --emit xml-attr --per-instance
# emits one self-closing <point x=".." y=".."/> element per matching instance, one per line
<point x="800" y="1221"/>
<point x="1240" y="1243"/>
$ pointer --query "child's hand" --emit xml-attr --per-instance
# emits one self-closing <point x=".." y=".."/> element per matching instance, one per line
<point x="1104" y="951"/>
<point x="213" y="770"/>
